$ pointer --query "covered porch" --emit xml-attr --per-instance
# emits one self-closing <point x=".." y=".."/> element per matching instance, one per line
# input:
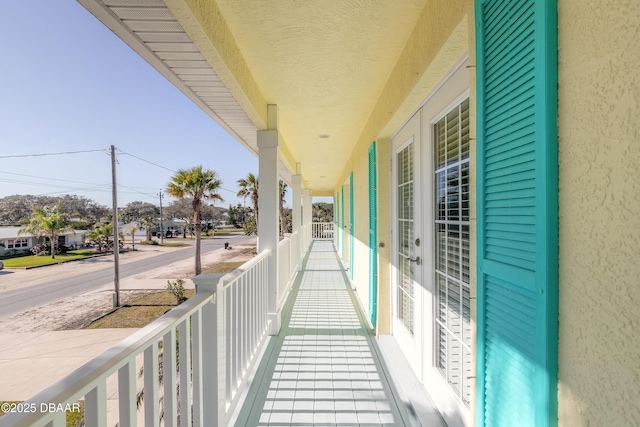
<point x="325" y="366"/>
<point x="214" y="356"/>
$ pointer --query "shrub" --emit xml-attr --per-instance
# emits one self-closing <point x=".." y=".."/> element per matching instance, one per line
<point x="177" y="290"/>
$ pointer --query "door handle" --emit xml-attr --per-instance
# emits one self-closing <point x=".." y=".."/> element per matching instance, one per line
<point x="417" y="260"/>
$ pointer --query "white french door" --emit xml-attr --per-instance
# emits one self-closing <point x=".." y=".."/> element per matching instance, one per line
<point x="407" y="273"/>
<point x="431" y="245"/>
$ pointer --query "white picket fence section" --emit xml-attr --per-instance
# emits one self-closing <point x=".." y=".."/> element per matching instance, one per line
<point x="207" y="347"/>
<point x="322" y="231"/>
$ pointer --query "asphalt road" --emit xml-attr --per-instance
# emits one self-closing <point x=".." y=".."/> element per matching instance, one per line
<point x="23" y="299"/>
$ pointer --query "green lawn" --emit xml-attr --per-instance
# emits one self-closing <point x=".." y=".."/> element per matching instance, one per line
<point x="34" y="261"/>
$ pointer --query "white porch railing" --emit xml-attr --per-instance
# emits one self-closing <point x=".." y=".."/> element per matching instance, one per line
<point x="289" y="257"/>
<point x="322" y="231"/>
<point x="207" y="346"/>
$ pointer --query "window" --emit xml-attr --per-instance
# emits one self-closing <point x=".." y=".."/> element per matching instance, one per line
<point x="453" y="326"/>
<point x="405" y="238"/>
<point x="17" y="243"/>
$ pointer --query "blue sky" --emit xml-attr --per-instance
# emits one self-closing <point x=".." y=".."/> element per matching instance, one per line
<point x="69" y="84"/>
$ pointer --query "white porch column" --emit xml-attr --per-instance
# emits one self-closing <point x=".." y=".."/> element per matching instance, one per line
<point x="268" y="199"/>
<point x="306" y="214"/>
<point x="296" y="200"/>
<point x="296" y="216"/>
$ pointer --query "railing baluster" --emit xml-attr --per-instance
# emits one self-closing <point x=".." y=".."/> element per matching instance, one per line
<point x="169" y="377"/>
<point x="237" y="339"/>
<point x="184" y="360"/>
<point x="127" y="394"/>
<point x="211" y="332"/>
<point x="95" y="406"/>
<point x="253" y="312"/>
<point x="59" y="420"/>
<point x="239" y="320"/>
<point x="228" y="353"/>
<point x="196" y="325"/>
<point x="151" y="397"/>
<point x="244" y="322"/>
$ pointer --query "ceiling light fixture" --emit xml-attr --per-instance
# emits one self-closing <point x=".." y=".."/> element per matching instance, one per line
<point x="323" y="135"/>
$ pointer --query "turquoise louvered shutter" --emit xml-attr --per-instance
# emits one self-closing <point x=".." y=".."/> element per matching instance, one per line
<point x="351" y="263"/>
<point x="373" y="237"/>
<point x="517" y="213"/>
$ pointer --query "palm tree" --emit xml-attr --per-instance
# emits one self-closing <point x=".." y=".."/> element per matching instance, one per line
<point x="148" y="222"/>
<point x="101" y="234"/>
<point x="45" y="222"/>
<point x="132" y="229"/>
<point x="197" y="184"/>
<point x="249" y="188"/>
<point x="283" y="216"/>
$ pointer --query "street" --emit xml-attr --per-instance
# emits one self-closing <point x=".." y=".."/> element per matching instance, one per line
<point x="22" y="299"/>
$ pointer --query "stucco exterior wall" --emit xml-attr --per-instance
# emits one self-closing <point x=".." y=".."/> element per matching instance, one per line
<point x="599" y="212"/>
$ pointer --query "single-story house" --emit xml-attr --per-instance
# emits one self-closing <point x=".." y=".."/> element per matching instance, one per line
<point x="12" y="241"/>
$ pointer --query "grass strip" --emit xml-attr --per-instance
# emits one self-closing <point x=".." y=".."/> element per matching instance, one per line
<point x="138" y="312"/>
<point x="39" y="260"/>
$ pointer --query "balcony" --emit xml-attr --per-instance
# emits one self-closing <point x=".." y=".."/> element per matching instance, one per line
<point x="214" y="355"/>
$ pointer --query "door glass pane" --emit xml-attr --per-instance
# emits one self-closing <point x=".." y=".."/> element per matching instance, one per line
<point x="405" y="237"/>
<point x="451" y="205"/>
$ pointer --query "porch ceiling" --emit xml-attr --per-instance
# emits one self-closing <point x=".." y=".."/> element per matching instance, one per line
<point x="324" y="63"/>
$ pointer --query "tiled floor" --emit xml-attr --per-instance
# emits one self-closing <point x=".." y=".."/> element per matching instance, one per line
<point x="323" y="369"/>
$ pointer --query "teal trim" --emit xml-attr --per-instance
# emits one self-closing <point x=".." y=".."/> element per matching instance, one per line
<point x="335" y="220"/>
<point x="373" y="236"/>
<point x="342" y="222"/>
<point x="338" y="231"/>
<point x="351" y="232"/>
<point x="517" y="206"/>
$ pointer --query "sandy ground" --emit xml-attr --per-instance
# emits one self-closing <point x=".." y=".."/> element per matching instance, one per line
<point x="75" y="312"/>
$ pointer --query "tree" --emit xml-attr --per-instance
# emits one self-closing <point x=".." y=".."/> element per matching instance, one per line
<point x="148" y="222"/>
<point x="198" y="184"/>
<point x="135" y="211"/>
<point x="283" y="217"/>
<point x="17" y="208"/>
<point x="132" y="229"/>
<point x="249" y="188"/>
<point x="322" y="212"/>
<point x="249" y="226"/>
<point x="48" y="222"/>
<point x="102" y="234"/>
<point x="210" y="215"/>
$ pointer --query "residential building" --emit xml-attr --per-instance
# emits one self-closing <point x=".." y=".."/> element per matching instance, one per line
<point x="12" y="241"/>
<point x="482" y="158"/>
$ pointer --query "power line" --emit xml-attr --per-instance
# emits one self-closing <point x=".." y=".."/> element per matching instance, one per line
<point x="47" y="178"/>
<point x="153" y="196"/>
<point x="44" y="184"/>
<point x="163" y="167"/>
<point x="50" y="154"/>
<point x="146" y="161"/>
<point x="92" y="189"/>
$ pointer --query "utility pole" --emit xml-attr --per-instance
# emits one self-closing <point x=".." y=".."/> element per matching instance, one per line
<point x="116" y="242"/>
<point x="161" y="227"/>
